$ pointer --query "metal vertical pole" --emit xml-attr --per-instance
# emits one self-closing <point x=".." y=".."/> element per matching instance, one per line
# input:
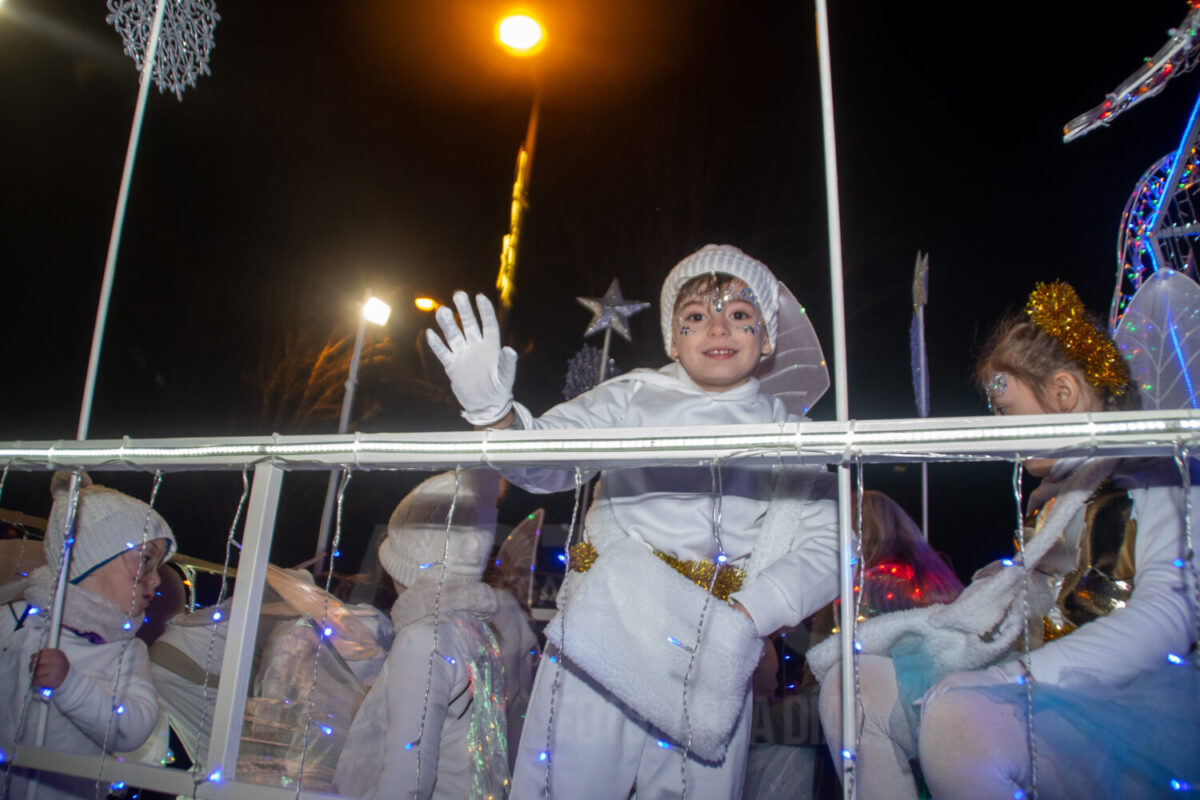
<point x="846" y="541"/>
<point x="114" y="239"/>
<point x="238" y="659"/>
<point x="343" y="424"/>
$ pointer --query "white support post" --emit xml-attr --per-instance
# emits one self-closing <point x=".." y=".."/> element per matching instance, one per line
<point x="238" y="660"/>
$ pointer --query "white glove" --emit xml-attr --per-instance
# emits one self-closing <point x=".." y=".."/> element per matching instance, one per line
<point x="481" y="372"/>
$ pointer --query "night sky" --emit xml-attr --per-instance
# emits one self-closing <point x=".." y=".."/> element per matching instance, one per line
<point x="341" y="146"/>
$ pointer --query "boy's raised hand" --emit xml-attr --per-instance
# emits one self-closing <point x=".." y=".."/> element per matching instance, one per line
<point x="481" y="372"/>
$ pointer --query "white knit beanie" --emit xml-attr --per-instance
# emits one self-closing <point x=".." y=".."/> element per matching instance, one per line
<point x="416" y="539"/>
<point x="730" y="260"/>
<point x="107" y="523"/>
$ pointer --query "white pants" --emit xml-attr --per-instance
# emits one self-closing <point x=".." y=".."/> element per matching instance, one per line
<point x="971" y="746"/>
<point x="596" y="748"/>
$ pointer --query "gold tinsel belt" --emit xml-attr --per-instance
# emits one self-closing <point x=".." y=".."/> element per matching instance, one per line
<point x="729" y="578"/>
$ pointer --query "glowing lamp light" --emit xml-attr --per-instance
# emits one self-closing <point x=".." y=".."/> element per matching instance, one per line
<point x="1008" y="562"/>
<point x="34" y="611"/>
<point x="426" y="303"/>
<point x="216" y="616"/>
<point x="847" y="755"/>
<point x="128" y="625"/>
<point x="337" y="553"/>
<point x="543" y="756"/>
<point x="47" y="692"/>
<point x="376" y="311"/>
<point x="450" y="660"/>
<point x="118" y="786"/>
<point x="858" y="647"/>
<point x="215" y="776"/>
<point x="328" y="632"/>
<point x="722" y="558"/>
<point x="520" y="35"/>
<point x="664" y="745"/>
<point x="1174" y="659"/>
<point x="325" y="729"/>
<point x="120" y="710"/>
<point x="1176" y="784"/>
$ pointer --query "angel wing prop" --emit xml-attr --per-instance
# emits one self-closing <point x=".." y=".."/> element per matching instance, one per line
<point x="517" y="559"/>
<point x="795" y="371"/>
<point x="1159" y="335"/>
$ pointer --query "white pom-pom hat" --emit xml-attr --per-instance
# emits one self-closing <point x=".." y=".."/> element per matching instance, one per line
<point x="107" y="523"/>
<point x="730" y="260"/>
<point x="417" y="534"/>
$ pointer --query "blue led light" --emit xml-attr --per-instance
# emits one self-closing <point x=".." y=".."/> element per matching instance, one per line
<point x="674" y="641"/>
<point x="325" y="729"/>
<point x="1020" y="680"/>
<point x="3" y="756"/>
<point x="496" y="562"/>
<point x="1180" y="786"/>
<point x="858" y="647"/>
<point x="328" y="632"/>
<point x="129" y="545"/>
<point x="428" y="564"/>
<point x="1174" y="659"/>
<point x="1179" y="562"/>
<point x="146" y="620"/>
<point x="787" y="656"/>
<point x="47" y="692"/>
<point x="215" y="776"/>
<point x="1008" y="562"/>
<point x="1183" y="363"/>
<point x="409" y="746"/>
<point x="664" y="745"/>
<point x="1019" y="795"/>
<point x="562" y="557"/>
<point x="847" y="755"/>
<point x="34" y="611"/>
<point x="216" y="615"/>
<point x="543" y="756"/>
<point x="120" y="709"/>
<point x="722" y="558"/>
<point x="450" y="660"/>
<point x="553" y="659"/>
<point x="128" y="625"/>
<point x="337" y="553"/>
<point x="116" y="787"/>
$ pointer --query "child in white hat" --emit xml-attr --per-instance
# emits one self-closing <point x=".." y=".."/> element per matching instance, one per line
<point x="632" y="693"/>
<point x="433" y="724"/>
<point x="97" y="681"/>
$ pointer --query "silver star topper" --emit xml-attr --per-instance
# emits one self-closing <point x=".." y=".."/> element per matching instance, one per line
<point x="611" y="311"/>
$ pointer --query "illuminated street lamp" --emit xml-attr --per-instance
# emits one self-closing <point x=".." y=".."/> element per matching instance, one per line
<point x="426" y="303"/>
<point x="520" y="36"/>
<point x="376" y="312"/>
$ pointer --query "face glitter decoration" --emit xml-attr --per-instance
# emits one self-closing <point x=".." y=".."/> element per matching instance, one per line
<point x="719" y="334"/>
<point x="996" y="386"/>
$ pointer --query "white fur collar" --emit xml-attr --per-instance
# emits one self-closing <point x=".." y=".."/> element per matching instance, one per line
<point x="420" y="601"/>
<point x="84" y="612"/>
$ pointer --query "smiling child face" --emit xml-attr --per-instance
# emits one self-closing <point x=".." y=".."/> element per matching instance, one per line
<point x="719" y="336"/>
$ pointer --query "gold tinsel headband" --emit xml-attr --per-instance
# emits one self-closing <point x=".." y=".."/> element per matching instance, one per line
<point x="1057" y="309"/>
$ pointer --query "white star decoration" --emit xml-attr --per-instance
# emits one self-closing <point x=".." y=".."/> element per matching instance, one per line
<point x="184" y="43"/>
<point x="611" y="311"/>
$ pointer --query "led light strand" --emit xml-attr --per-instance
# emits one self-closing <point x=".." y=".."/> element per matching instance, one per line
<point x="717" y="491"/>
<point x="437" y="602"/>
<point x="1025" y="656"/>
<point x="321" y="630"/>
<point x="1183" y="462"/>
<point x="562" y="629"/>
<point x="133" y="593"/>
<point x="197" y="779"/>
<point x="860" y="577"/>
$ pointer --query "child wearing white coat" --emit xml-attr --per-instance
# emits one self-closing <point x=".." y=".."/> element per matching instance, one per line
<point x="646" y="679"/>
<point x="97" y="681"/>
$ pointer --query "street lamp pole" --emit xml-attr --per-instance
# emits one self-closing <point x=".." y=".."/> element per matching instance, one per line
<point x="376" y="311"/>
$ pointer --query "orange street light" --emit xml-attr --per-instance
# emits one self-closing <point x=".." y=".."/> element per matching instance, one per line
<point x="425" y="303"/>
<point x="520" y="34"/>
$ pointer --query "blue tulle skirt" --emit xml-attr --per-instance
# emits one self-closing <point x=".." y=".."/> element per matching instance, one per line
<point x="1138" y="739"/>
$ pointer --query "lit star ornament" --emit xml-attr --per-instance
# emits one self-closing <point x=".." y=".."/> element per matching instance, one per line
<point x="185" y="40"/>
<point x="611" y="311"/>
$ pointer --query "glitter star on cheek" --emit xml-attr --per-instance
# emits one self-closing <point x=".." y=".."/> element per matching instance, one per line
<point x="611" y="311"/>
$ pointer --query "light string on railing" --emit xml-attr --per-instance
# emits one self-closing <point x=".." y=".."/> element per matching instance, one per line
<point x="114" y="704"/>
<point x="545" y="756"/>
<point x="859" y="572"/>
<point x="217" y="616"/>
<point x="1026" y="650"/>
<point x="1186" y="562"/>
<point x="437" y="600"/>
<point x="323" y="631"/>
<point x="719" y="560"/>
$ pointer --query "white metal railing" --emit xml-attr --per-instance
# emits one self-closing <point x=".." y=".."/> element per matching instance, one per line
<point x="867" y="441"/>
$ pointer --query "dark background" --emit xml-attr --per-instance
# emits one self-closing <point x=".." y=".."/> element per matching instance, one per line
<point x="340" y="146"/>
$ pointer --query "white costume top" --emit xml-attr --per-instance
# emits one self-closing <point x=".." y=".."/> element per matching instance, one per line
<point x="671" y="508"/>
<point x="1156" y="619"/>
<point x="82" y="708"/>
<point x="456" y="726"/>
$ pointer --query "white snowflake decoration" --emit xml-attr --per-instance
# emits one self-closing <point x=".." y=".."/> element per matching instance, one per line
<point x="184" y="43"/>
